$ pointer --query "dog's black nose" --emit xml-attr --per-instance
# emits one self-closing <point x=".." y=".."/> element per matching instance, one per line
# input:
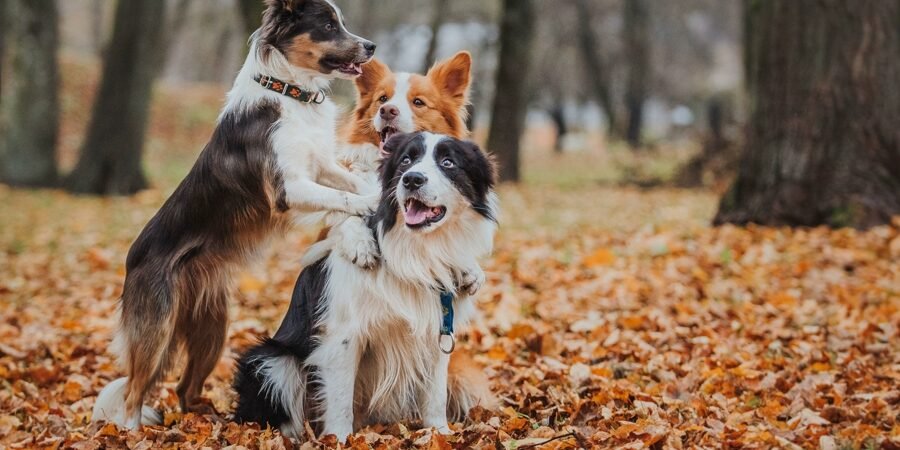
<point x="414" y="180"/>
<point x="369" y="47"/>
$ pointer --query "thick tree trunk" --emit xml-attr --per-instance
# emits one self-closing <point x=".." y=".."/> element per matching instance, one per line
<point x="596" y="74"/>
<point x="437" y="20"/>
<point x="3" y="31"/>
<point x="510" y="98"/>
<point x="111" y="156"/>
<point x="251" y="14"/>
<point x="637" y="49"/>
<point x="29" y="111"/>
<point x="823" y="143"/>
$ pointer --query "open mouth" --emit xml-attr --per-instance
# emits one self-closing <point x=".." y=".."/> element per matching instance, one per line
<point x="386" y="133"/>
<point x="417" y="214"/>
<point x="350" y="68"/>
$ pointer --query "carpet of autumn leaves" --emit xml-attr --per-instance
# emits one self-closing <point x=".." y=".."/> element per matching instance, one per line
<point x="612" y="318"/>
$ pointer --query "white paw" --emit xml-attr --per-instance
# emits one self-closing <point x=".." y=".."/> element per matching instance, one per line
<point x="471" y="280"/>
<point x="362" y="205"/>
<point x="362" y="251"/>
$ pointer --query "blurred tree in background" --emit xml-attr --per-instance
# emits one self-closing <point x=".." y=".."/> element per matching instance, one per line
<point x="636" y="29"/>
<point x="110" y="160"/>
<point x="510" y="98"/>
<point x="29" y="106"/>
<point x="823" y="142"/>
<point x="251" y="14"/>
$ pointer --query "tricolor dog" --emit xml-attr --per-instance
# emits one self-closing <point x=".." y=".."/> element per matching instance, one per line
<point x="272" y="153"/>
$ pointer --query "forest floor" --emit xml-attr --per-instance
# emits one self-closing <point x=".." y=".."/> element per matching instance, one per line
<point x="612" y="316"/>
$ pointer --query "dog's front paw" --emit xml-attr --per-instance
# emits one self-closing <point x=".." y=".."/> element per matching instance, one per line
<point x="362" y="252"/>
<point x="471" y="280"/>
<point x="363" y="205"/>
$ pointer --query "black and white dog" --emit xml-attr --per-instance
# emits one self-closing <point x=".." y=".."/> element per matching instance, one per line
<point x="370" y="346"/>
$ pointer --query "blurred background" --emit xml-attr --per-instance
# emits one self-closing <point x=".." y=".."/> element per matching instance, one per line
<point x="106" y="97"/>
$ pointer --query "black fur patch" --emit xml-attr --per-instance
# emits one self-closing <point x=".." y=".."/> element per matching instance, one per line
<point x="294" y="338"/>
<point x="471" y="173"/>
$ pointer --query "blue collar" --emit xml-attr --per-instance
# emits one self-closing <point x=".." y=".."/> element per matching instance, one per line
<point x="447" y="322"/>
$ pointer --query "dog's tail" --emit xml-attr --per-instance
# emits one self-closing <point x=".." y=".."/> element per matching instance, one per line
<point x="468" y="386"/>
<point x="271" y="384"/>
<point x="110" y="406"/>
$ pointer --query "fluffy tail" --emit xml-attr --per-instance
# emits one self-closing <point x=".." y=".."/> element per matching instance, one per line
<point x="110" y="406"/>
<point x="271" y="386"/>
<point x="468" y="386"/>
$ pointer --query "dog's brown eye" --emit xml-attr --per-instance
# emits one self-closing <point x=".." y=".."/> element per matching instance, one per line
<point x="418" y="102"/>
<point x="383" y="99"/>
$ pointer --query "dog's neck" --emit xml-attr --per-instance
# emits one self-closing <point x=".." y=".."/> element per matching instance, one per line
<point x="246" y="90"/>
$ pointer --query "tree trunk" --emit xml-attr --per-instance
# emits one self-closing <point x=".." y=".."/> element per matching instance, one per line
<point x="29" y="111"/>
<point x="111" y="156"/>
<point x="251" y="14"/>
<point x="437" y="20"/>
<point x="510" y="99"/>
<point x="597" y="75"/>
<point x="823" y="145"/>
<point x="637" y="49"/>
<point x="3" y="31"/>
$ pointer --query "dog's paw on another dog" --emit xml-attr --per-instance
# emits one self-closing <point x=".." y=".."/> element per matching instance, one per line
<point x="470" y="280"/>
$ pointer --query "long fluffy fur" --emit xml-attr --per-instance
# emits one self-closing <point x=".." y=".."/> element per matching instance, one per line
<point x="389" y="318"/>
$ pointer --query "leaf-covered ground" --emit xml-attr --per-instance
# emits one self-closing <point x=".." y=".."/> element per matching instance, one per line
<point x="612" y="318"/>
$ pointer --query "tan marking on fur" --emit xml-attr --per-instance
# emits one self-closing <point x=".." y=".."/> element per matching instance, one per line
<point x="305" y="53"/>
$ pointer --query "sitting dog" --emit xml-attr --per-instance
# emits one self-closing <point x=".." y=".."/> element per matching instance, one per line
<point x="272" y="153"/>
<point x="366" y="346"/>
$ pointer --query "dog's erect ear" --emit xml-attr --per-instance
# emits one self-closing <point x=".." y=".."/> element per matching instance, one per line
<point x="453" y="75"/>
<point x="286" y="5"/>
<point x="372" y="73"/>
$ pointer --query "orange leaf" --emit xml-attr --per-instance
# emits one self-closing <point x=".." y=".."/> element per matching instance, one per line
<point x="601" y="257"/>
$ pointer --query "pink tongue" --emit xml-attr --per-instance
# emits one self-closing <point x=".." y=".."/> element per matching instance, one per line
<point x="415" y="215"/>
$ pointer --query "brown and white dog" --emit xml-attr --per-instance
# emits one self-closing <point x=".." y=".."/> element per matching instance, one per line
<point x="272" y="153"/>
<point x="388" y="103"/>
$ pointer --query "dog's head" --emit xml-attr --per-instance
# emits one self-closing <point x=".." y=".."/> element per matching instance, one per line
<point x="429" y="180"/>
<point x="311" y="36"/>
<point x="393" y="103"/>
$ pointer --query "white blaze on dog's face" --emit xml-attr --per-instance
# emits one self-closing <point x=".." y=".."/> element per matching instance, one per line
<point x="433" y="178"/>
<point x="394" y="103"/>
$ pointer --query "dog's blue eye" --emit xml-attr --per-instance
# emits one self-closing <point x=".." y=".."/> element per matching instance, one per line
<point x="447" y="163"/>
<point x="405" y="161"/>
<point x="329" y="27"/>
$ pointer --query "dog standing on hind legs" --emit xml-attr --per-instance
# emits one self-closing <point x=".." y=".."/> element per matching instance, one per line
<point x="271" y="154"/>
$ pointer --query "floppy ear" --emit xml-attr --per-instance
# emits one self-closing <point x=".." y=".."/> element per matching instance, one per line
<point x="453" y="75"/>
<point x="372" y="73"/>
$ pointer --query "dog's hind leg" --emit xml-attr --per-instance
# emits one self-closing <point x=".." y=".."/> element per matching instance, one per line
<point x="204" y="337"/>
<point x="147" y="331"/>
